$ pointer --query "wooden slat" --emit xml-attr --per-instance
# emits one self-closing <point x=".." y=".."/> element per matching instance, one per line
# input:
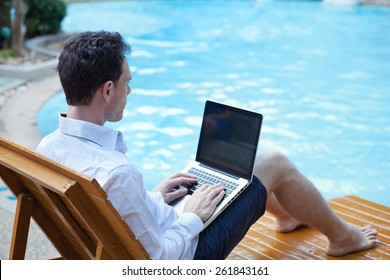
<point x="9" y="150"/>
<point x="244" y="251"/>
<point x="262" y="242"/>
<point x="56" y="234"/>
<point x="81" y="242"/>
<point x="21" y="227"/>
<point x="364" y="203"/>
<point x="31" y="170"/>
<point x="101" y="227"/>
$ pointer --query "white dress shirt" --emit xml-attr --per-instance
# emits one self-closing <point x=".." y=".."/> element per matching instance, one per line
<point x="99" y="152"/>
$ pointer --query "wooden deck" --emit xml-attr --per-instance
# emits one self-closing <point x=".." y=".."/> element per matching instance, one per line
<point x="263" y="243"/>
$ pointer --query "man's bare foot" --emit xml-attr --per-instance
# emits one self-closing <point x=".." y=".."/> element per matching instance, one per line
<point x="286" y="224"/>
<point x="358" y="239"/>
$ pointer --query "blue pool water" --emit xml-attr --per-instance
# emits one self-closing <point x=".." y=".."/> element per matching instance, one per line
<point x="318" y="74"/>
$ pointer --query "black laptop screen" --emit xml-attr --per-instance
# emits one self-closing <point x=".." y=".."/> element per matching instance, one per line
<point x="228" y="139"/>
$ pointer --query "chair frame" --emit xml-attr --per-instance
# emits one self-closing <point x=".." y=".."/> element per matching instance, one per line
<point x="70" y="208"/>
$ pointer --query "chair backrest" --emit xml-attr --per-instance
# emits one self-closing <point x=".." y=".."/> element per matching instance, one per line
<point x="70" y="208"/>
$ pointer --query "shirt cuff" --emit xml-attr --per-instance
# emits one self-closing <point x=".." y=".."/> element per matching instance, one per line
<point x="156" y="195"/>
<point x="195" y="223"/>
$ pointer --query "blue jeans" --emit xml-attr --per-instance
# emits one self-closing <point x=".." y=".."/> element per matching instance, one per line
<point x="226" y="231"/>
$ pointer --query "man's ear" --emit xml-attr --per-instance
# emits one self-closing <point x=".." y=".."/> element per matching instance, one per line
<point x="107" y="90"/>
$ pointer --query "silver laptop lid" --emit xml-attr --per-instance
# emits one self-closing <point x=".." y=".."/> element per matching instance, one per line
<point x="228" y="139"/>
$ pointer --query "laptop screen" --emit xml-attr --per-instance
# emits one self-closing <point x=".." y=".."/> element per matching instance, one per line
<point x="228" y="139"/>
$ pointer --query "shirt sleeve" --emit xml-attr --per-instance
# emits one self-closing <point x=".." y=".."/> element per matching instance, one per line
<point x="163" y="233"/>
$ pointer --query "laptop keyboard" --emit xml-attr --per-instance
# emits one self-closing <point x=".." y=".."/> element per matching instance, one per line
<point x="203" y="178"/>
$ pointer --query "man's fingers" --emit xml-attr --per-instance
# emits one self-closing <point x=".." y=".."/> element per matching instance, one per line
<point x="213" y="190"/>
<point x="202" y="188"/>
<point x="216" y="195"/>
<point x="218" y="198"/>
<point x="181" y="180"/>
<point x="209" y="188"/>
<point x="175" y="195"/>
<point x="184" y="175"/>
<point x="204" y="200"/>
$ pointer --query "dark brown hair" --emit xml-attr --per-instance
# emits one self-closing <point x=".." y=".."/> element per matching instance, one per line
<point x="88" y="60"/>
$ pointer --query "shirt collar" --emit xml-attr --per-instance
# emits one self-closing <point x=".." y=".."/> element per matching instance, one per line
<point x="103" y="136"/>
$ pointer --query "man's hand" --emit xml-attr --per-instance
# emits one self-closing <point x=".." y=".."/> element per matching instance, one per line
<point x="204" y="200"/>
<point x="166" y="186"/>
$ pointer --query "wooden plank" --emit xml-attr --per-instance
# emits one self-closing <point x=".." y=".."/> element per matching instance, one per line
<point x="293" y="248"/>
<point x="56" y="235"/>
<point x="365" y="203"/>
<point x="102" y="228"/>
<point x="307" y="243"/>
<point x="33" y="171"/>
<point x="360" y="211"/>
<point x="8" y="148"/>
<point x="12" y="181"/>
<point x="117" y="224"/>
<point x="114" y="224"/>
<point x="69" y="226"/>
<point x="243" y="251"/>
<point x="21" y="227"/>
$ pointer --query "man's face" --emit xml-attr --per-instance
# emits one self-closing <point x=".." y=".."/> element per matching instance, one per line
<point x="121" y="90"/>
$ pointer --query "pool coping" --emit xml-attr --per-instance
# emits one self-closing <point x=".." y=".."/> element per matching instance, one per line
<point x="45" y="45"/>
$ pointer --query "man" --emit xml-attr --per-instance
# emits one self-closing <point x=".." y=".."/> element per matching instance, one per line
<point x="95" y="76"/>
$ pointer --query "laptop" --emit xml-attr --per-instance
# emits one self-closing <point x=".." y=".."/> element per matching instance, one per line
<point x="226" y="153"/>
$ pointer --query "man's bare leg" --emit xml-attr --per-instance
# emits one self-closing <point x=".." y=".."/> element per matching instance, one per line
<point x="284" y="222"/>
<point x="294" y="197"/>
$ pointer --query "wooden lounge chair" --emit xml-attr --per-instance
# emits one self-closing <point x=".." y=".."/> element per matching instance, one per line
<point x="70" y="208"/>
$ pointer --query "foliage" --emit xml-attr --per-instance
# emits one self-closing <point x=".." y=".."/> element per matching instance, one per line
<point x="44" y="17"/>
<point x="5" y="6"/>
<point x="6" y="53"/>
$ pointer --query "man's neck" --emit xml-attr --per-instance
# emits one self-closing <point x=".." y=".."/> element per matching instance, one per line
<point x="85" y="113"/>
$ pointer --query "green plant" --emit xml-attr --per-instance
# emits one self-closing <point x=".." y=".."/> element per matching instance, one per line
<point x="44" y="17"/>
<point x="6" y="53"/>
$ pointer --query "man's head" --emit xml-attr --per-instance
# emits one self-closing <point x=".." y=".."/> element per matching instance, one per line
<point x="89" y="60"/>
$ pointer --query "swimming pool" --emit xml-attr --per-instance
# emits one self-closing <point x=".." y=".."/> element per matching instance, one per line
<point x="318" y="74"/>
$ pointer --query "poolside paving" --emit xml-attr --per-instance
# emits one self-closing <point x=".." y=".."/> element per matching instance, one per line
<point x="19" y="111"/>
<point x="20" y="104"/>
<point x="7" y="83"/>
